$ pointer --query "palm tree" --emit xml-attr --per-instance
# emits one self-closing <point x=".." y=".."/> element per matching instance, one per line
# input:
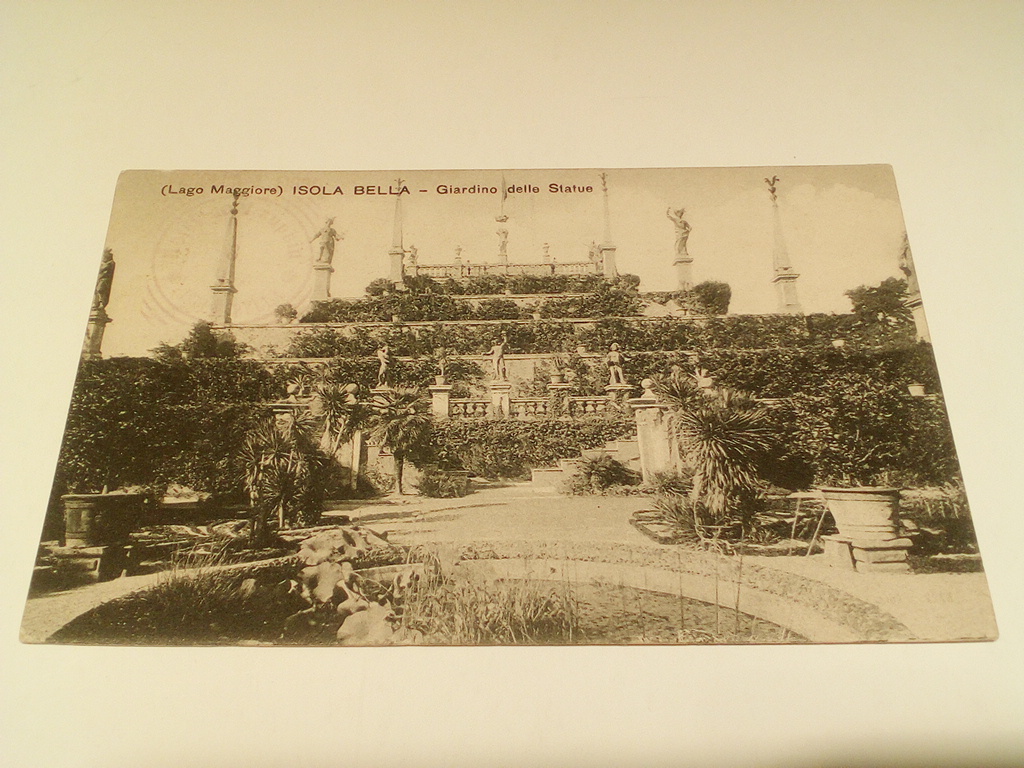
<point x="401" y="422"/>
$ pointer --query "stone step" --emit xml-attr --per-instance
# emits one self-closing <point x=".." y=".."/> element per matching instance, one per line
<point x="547" y="479"/>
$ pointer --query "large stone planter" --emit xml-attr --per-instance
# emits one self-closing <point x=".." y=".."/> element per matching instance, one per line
<point x="100" y="519"/>
<point x="868" y="521"/>
<point x="870" y="513"/>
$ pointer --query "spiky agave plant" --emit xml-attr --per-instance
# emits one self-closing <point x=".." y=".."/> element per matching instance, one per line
<point x="401" y="422"/>
<point x="280" y="464"/>
<point x="341" y="412"/>
<point x="724" y="435"/>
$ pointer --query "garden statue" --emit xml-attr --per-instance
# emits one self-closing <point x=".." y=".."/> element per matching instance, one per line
<point x="101" y="296"/>
<point x="328" y="236"/>
<point x="615" y="361"/>
<point x="412" y="259"/>
<point x="594" y="252"/>
<point x="497" y="353"/>
<point x="907" y="268"/>
<point x="383" y="372"/>
<point x="502" y="241"/>
<point x="682" y="229"/>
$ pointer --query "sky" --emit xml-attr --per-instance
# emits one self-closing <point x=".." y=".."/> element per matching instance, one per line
<point x="842" y="226"/>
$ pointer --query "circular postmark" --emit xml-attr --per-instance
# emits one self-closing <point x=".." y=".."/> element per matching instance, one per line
<point x="272" y="259"/>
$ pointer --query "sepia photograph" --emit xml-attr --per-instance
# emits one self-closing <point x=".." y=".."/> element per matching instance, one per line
<point x="507" y="407"/>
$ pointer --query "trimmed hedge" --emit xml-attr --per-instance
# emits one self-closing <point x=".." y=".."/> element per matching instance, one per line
<point x="511" y="448"/>
<point x="140" y="421"/>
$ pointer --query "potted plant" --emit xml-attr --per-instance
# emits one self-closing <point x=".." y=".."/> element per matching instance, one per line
<point x="560" y="363"/>
<point x="441" y="359"/>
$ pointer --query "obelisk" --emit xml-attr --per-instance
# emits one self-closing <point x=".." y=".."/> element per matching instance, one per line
<point x="784" y="277"/>
<point x="607" y="247"/>
<point x="224" y="289"/>
<point x="397" y="252"/>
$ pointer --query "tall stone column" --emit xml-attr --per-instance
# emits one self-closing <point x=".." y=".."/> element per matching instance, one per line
<point x="656" y="454"/>
<point x="784" y="277"/>
<point x="224" y="289"/>
<point x="608" y="265"/>
<point x="396" y="253"/>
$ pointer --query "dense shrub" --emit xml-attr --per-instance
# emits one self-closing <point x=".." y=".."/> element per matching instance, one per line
<point x="140" y="421"/>
<point x="511" y="448"/>
<point x="596" y="476"/>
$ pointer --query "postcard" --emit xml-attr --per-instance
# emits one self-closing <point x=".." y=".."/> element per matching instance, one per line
<point x="507" y="407"/>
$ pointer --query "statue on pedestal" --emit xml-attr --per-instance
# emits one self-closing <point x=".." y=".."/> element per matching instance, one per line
<point x="502" y="242"/>
<point x="101" y="295"/>
<point x="594" y="252"/>
<point x="682" y="230"/>
<point x="907" y="268"/>
<point x="497" y="353"/>
<point x="615" y="361"/>
<point x="328" y="236"/>
<point x="384" y="371"/>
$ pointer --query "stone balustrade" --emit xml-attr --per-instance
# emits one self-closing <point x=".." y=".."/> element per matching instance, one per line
<point x="589" y="406"/>
<point x="464" y="408"/>
<point x="530" y="407"/>
<point x="465" y="269"/>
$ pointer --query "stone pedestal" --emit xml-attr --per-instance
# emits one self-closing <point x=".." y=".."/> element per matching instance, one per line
<point x="558" y="397"/>
<point x="93" y="564"/>
<point x="440" y="400"/>
<point x="785" y="288"/>
<point x="867" y="556"/>
<point x="684" y="272"/>
<point x="653" y="440"/>
<point x="608" y="260"/>
<point x="397" y="273"/>
<point x="98" y="319"/>
<point x="618" y="393"/>
<point x="223" y="297"/>
<point x="322" y="281"/>
<point x="501" y="401"/>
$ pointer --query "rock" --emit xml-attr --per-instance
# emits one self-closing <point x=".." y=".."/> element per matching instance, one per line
<point x="247" y="588"/>
<point x="369" y="627"/>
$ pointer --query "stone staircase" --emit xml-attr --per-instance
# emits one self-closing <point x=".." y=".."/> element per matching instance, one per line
<point x="548" y="479"/>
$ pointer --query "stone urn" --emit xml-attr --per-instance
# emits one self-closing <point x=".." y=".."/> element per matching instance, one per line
<point x="100" y="519"/>
<point x="868" y="513"/>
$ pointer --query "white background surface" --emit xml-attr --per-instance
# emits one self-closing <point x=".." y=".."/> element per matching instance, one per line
<point x="89" y="89"/>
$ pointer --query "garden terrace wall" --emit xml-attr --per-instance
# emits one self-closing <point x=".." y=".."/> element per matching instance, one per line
<point x="552" y="335"/>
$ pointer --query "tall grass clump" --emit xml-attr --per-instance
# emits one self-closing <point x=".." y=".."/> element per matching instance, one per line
<point x="452" y="608"/>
